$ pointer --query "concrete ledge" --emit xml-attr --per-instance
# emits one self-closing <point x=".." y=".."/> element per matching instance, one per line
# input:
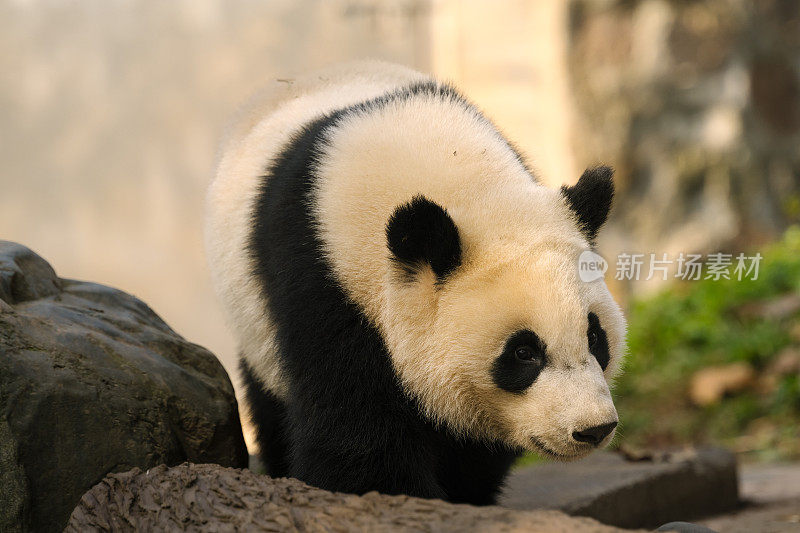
<point x="630" y="493"/>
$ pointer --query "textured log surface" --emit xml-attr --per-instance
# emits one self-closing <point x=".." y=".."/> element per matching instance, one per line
<point x="212" y="498"/>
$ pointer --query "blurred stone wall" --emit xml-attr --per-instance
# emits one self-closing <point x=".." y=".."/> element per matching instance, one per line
<point x="697" y="104"/>
<point x="110" y="114"/>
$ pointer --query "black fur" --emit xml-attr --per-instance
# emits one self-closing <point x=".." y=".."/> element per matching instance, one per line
<point x="514" y="374"/>
<point x="268" y="414"/>
<point x="590" y="199"/>
<point x="349" y="426"/>
<point x="422" y="232"/>
<point x="598" y="341"/>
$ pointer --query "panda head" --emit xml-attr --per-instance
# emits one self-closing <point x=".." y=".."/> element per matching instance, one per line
<point x="490" y="327"/>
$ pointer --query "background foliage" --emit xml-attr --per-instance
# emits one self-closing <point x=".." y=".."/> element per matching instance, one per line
<point x="692" y="326"/>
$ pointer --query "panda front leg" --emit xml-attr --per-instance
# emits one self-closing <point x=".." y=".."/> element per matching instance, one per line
<point x="361" y="455"/>
<point x="268" y="416"/>
<point x="473" y="472"/>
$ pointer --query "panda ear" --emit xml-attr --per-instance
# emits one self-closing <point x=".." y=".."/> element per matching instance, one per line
<point x="421" y="232"/>
<point x="590" y="199"/>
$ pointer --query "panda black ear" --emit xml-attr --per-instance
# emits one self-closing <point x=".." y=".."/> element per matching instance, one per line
<point x="590" y="199"/>
<point x="421" y="232"/>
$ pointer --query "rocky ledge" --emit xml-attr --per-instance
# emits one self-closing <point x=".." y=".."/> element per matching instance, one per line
<point x="92" y="381"/>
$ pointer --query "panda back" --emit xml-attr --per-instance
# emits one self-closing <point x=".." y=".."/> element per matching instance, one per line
<point x="263" y="128"/>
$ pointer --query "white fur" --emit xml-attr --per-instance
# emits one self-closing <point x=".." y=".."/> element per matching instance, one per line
<point x="519" y="270"/>
<point x="263" y="127"/>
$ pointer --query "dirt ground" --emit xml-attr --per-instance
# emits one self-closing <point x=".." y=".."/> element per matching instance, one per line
<point x="772" y="493"/>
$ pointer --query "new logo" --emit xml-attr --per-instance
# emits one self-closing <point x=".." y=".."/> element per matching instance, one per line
<point x="591" y="266"/>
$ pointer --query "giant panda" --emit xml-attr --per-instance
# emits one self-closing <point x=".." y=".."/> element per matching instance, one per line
<point x="404" y="292"/>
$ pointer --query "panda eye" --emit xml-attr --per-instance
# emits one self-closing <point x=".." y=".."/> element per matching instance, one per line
<point x="524" y="353"/>
<point x="523" y="358"/>
<point x="598" y="341"/>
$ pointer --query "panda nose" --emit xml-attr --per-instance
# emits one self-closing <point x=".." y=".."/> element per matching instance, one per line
<point x="594" y="435"/>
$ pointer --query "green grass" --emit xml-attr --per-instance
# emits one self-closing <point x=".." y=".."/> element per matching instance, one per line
<point x="693" y="325"/>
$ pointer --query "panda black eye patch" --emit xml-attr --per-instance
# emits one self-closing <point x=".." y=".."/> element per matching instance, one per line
<point x="523" y="358"/>
<point x="598" y="341"/>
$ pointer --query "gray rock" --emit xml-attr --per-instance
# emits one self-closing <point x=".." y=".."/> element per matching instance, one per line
<point x="643" y="493"/>
<point x="211" y="498"/>
<point x="92" y="381"/>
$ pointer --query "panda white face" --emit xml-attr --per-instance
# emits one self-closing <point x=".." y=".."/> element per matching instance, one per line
<point x="520" y="352"/>
<point x="548" y="344"/>
<point x="500" y="339"/>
